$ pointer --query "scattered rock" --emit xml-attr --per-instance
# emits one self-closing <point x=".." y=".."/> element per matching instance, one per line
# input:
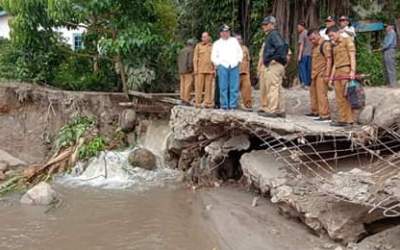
<point x="8" y="161"/>
<point x="131" y="138"/>
<point x="3" y="166"/>
<point x="328" y="246"/>
<point x="367" y="115"/>
<point x="127" y="120"/>
<point x="143" y="158"/>
<point x="208" y="207"/>
<point x="255" y="201"/>
<point x="2" y="176"/>
<point x="42" y="194"/>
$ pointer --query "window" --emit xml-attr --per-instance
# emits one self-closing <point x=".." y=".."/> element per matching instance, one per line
<point x="77" y="41"/>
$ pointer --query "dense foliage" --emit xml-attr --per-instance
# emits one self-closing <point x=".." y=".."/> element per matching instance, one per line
<point x="133" y="44"/>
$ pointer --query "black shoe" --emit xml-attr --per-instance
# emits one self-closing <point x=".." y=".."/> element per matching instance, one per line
<point x="341" y="124"/>
<point x="267" y="114"/>
<point x="321" y="119"/>
<point x="312" y="115"/>
<point x="282" y="115"/>
<point x="184" y="103"/>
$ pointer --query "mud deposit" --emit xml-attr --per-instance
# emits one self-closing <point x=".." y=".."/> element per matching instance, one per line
<point x="159" y="218"/>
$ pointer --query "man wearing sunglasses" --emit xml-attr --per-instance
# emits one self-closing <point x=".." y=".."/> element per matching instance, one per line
<point x="329" y="22"/>
<point x="346" y="30"/>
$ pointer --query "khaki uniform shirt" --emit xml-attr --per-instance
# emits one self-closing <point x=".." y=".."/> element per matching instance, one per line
<point x="202" y="59"/>
<point x="245" y="65"/>
<point x="319" y="60"/>
<point x="341" y="52"/>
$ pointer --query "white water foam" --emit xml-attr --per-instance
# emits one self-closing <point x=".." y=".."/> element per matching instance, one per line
<point x="111" y="170"/>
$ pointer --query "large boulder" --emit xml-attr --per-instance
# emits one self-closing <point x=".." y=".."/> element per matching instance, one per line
<point x="127" y="120"/>
<point x="143" y="158"/>
<point x="367" y="115"/>
<point x="42" y="195"/>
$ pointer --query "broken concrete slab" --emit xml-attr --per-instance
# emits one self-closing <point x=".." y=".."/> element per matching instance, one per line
<point x="386" y="240"/>
<point x="305" y="199"/>
<point x="261" y="168"/>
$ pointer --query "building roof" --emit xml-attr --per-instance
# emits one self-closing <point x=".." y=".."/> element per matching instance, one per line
<point x="3" y="13"/>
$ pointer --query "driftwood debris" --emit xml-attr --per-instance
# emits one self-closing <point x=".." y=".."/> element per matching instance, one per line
<point x="151" y="102"/>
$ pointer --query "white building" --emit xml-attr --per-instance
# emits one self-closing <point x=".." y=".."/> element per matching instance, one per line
<point x="4" y="27"/>
<point x="73" y="37"/>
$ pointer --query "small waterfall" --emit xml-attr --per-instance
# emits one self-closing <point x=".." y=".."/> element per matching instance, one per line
<point x="111" y="169"/>
<point x="156" y="137"/>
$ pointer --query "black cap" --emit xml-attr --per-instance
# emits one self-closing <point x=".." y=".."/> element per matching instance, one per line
<point x="268" y="20"/>
<point x="224" y="28"/>
<point x="330" y="19"/>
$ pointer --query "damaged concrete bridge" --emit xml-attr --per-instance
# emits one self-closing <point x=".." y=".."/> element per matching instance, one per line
<point x="341" y="182"/>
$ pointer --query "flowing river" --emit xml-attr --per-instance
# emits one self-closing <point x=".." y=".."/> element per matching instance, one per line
<point x="88" y="218"/>
<point x="110" y="205"/>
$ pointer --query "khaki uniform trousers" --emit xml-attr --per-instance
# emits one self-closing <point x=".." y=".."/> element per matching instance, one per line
<point x="204" y="86"/>
<point x="343" y="105"/>
<point x="319" y="96"/>
<point x="186" y="87"/>
<point x="272" y="93"/>
<point x="245" y="90"/>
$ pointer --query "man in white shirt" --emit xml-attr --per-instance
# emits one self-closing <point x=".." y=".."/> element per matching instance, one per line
<point x="346" y="30"/>
<point x="329" y="22"/>
<point x="226" y="55"/>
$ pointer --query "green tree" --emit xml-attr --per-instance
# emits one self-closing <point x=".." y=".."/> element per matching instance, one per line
<point x="33" y="40"/>
<point x="129" y="33"/>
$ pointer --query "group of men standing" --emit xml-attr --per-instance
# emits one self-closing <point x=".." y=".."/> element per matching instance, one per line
<point x="333" y="60"/>
<point x="228" y="59"/>
<point x="325" y="57"/>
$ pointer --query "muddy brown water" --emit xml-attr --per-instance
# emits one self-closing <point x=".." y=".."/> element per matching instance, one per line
<point x="159" y="218"/>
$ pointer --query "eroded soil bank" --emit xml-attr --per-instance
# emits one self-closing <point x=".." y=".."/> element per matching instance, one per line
<point x="30" y="116"/>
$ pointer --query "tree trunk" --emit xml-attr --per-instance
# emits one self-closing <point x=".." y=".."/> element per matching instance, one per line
<point x="122" y="73"/>
<point x="338" y="7"/>
<point x="281" y="10"/>
<point x="244" y="17"/>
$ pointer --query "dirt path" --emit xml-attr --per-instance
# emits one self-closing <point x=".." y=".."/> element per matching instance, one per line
<point x="239" y="226"/>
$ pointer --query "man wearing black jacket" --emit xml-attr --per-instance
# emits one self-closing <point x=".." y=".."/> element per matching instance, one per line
<point x="275" y="59"/>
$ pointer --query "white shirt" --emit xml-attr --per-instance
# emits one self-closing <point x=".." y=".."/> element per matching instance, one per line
<point x="227" y="53"/>
<point x="324" y="35"/>
<point x="348" y="31"/>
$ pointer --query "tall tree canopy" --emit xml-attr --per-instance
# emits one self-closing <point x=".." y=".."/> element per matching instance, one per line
<point x="133" y="44"/>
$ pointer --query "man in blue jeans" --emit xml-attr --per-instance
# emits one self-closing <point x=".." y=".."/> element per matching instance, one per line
<point x="304" y="56"/>
<point x="226" y="55"/>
